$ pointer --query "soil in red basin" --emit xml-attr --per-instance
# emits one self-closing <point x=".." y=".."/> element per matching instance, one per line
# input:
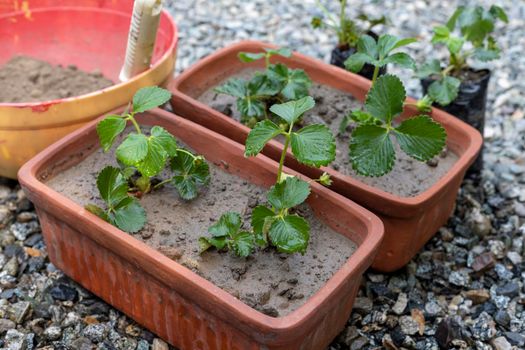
<point x="268" y="281"/>
<point x="409" y="176"/>
<point x="32" y="80"/>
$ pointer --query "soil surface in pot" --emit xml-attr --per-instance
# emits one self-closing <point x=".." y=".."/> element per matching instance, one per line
<point x="32" y="80"/>
<point x="268" y="281"/>
<point x="409" y="176"/>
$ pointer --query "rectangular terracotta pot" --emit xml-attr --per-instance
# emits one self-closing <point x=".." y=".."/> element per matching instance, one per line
<point x="166" y="297"/>
<point x="409" y="221"/>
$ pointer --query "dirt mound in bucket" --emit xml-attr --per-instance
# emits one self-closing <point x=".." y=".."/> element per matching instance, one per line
<point x="26" y="79"/>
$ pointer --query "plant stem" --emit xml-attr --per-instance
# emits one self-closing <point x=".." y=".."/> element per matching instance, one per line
<point x="376" y="73"/>
<point x="283" y="155"/>
<point x="267" y="60"/>
<point x="342" y="15"/>
<point x="186" y="152"/>
<point x="161" y="183"/>
<point x="135" y="124"/>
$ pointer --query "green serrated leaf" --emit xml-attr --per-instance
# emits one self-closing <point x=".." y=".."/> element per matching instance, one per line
<point x="165" y="139"/>
<point x="133" y="149"/>
<point x="385" y="44"/>
<point x="444" y="91"/>
<point x="386" y="98"/>
<point x="429" y="68"/>
<point x="451" y="23"/>
<point x="242" y="244"/>
<point x="288" y="193"/>
<point x="294" y="82"/>
<point x="206" y="243"/>
<point x="404" y="42"/>
<point x="155" y="159"/>
<point x="485" y="55"/>
<point x="234" y="87"/>
<point x="291" y="111"/>
<point x="150" y="97"/>
<point x="362" y="117"/>
<point x="262" y="132"/>
<point x="259" y="216"/>
<point x="261" y="86"/>
<point x="108" y="129"/>
<point x="129" y="216"/>
<point x="421" y="137"/>
<point x="98" y="211"/>
<point x="401" y="59"/>
<point x="283" y="51"/>
<point x="290" y="234"/>
<point x="248" y="57"/>
<point x="228" y="225"/>
<point x="367" y="45"/>
<point x="314" y="145"/>
<point x="498" y="12"/>
<point x="189" y="175"/>
<point x="371" y="150"/>
<point x="441" y="34"/>
<point x="356" y="62"/>
<point x="454" y="44"/>
<point x="112" y="186"/>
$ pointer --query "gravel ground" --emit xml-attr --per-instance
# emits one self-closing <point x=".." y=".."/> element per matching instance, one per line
<point x="464" y="290"/>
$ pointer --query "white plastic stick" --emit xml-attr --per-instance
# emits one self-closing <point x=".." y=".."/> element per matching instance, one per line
<point x="141" y="39"/>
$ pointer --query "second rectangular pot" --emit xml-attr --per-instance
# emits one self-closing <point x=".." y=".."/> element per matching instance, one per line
<point x="409" y="221"/>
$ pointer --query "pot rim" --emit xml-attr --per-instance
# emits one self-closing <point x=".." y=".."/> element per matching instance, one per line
<point x="199" y="290"/>
<point x="409" y="203"/>
<point x="47" y="103"/>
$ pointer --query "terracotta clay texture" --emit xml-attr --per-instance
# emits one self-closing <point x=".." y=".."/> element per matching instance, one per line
<point x="169" y="299"/>
<point x="409" y="221"/>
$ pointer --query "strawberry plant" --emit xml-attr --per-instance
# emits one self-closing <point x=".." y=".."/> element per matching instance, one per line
<point x="275" y="224"/>
<point x="142" y="157"/>
<point x="372" y="152"/>
<point x="347" y="30"/>
<point x="467" y="35"/>
<point x="276" y="84"/>
<point x="379" y="53"/>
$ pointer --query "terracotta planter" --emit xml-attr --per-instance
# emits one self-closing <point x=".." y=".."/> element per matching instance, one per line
<point x="169" y="299"/>
<point x="409" y="221"/>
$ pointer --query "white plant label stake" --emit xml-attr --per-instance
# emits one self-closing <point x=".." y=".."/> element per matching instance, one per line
<point x="141" y="39"/>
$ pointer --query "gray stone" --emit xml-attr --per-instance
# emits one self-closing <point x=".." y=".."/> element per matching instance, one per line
<point x="408" y="325"/>
<point x="401" y="304"/>
<point x="515" y="338"/>
<point x="159" y="344"/>
<point x="500" y="343"/>
<point x="142" y="345"/>
<point x="6" y="325"/>
<point x="52" y="333"/>
<point x="19" y="311"/>
<point x="96" y="332"/>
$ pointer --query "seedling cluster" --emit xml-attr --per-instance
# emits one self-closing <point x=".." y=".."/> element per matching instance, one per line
<point x="348" y="31"/>
<point x="276" y="84"/>
<point x="467" y="35"/>
<point x="275" y="224"/>
<point x="142" y="157"/>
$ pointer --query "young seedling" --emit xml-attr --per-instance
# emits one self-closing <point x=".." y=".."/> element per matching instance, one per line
<point x="347" y="30"/>
<point x="379" y="53"/>
<point x="372" y="152"/>
<point x="475" y="26"/>
<point x="141" y="158"/>
<point x="313" y="145"/>
<point x="277" y="83"/>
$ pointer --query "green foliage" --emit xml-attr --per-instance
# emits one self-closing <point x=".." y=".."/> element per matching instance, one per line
<point x="142" y="156"/>
<point x="276" y="83"/>
<point x="471" y="26"/>
<point x="226" y="233"/>
<point x="372" y="152"/>
<point x="312" y="145"/>
<point x="379" y="53"/>
<point x="122" y="211"/>
<point x="274" y="224"/>
<point x="348" y="31"/>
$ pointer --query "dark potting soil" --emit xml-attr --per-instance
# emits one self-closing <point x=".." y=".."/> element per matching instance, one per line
<point x="409" y="176"/>
<point x="273" y="283"/>
<point x="27" y="79"/>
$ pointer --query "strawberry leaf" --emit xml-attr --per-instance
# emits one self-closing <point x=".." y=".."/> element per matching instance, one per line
<point x="356" y="62"/>
<point x="288" y="193"/>
<point x="421" y="137"/>
<point x="260" y="215"/>
<point x="190" y="174"/>
<point x="313" y="145"/>
<point x="98" y="211"/>
<point x="133" y="149"/>
<point x="206" y="243"/>
<point x="129" y="216"/>
<point x="291" y="111"/>
<point x="444" y="91"/>
<point x="108" y="129"/>
<point x="150" y="97"/>
<point x="263" y="132"/>
<point x="401" y="59"/>
<point x="229" y="224"/>
<point x="371" y="150"/>
<point x="294" y="82"/>
<point x="248" y="57"/>
<point x="242" y="243"/>
<point x="386" y="98"/>
<point x="429" y="68"/>
<point x="290" y="234"/>
<point x="165" y="139"/>
<point x="112" y="186"/>
<point x="282" y="51"/>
